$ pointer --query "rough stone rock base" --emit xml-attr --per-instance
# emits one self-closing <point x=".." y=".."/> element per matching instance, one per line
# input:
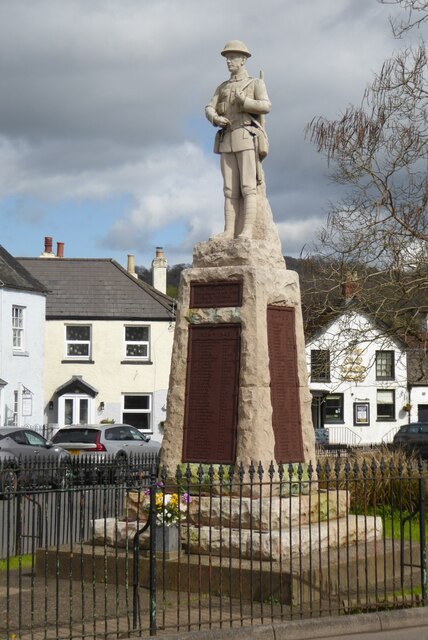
<point x="268" y="515"/>
<point x="252" y="544"/>
<point x="247" y="513"/>
<point x="280" y="545"/>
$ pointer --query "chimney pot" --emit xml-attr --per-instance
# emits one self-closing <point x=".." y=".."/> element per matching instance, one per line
<point x="59" y="249"/>
<point x="131" y="265"/>
<point x="159" y="270"/>
<point x="48" y="244"/>
<point x="351" y="288"/>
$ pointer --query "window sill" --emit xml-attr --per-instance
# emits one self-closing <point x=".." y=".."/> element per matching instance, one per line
<point x="333" y="422"/>
<point x="322" y="380"/>
<point x="136" y="361"/>
<point x="23" y="354"/>
<point x="77" y="361"/>
<point x="386" y="419"/>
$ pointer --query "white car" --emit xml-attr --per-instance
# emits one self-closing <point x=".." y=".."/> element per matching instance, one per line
<point x="103" y="440"/>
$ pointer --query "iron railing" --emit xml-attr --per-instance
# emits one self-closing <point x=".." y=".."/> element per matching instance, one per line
<point x="131" y="551"/>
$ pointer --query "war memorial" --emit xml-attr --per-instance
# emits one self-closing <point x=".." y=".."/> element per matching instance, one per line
<point x="239" y="405"/>
<point x="238" y="389"/>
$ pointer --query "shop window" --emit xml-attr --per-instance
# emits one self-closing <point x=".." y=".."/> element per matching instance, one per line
<point x="333" y="408"/>
<point x="385" y="404"/>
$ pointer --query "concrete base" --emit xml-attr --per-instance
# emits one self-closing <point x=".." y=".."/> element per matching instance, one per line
<point x="301" y="580"/>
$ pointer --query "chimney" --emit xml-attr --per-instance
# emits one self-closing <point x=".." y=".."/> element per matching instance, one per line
<point x="351" y="288"/>
<point x="131" y="266"/>
<point x="59" y="249"/>
<point x="159" y="267"/>
<point x="48" y="253"/>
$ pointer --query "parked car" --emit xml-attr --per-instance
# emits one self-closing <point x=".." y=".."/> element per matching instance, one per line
<point x="413" y="437"/>
<point x="103" y="446"/>
<point x="29" y="459"/>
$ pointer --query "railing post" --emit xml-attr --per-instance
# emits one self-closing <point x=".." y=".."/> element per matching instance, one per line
<point x="422" y="543"/>
<point x="152" y="559"/>
<point x="18" y="530"/>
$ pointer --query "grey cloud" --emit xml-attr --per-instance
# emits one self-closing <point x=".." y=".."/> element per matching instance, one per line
<point x="91" y="91"/>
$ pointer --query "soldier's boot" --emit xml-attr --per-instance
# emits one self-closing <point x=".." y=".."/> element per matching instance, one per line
<point x="250" y="214"/>
<point x="231" y="211"/>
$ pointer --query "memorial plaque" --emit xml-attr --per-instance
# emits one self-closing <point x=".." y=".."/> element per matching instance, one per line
<point x="215" y="294"/>
<point x="286" y="419"/>
<point x="212" y="384"/>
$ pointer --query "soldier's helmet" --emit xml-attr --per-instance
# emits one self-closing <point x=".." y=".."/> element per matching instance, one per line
<point x="235" y="46"/>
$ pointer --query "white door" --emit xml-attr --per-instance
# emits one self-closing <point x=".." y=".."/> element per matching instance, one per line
<point x="74" y="409"/>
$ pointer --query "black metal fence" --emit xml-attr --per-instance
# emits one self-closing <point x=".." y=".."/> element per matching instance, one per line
<point x="116" y="552"/>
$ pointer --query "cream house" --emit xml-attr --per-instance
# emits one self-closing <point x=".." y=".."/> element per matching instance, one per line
<point x="108" y="343"/>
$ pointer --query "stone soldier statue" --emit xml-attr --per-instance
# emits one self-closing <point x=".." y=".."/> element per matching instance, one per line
<point x="238" y="107"/>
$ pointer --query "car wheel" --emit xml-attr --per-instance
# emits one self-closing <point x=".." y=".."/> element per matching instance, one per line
<point x="8" y="483"/>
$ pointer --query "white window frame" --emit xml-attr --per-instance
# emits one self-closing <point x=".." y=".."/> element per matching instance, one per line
<point x="385" y="358"/>
<point x="15" y="411"/>
<point x="75" y="342"/>
<point x="18" y="334"/>
<point x="76" y="399"/>
<point x="320" y="365"/>
<point x="142" y="411"/>
<point x="146" y="343"/>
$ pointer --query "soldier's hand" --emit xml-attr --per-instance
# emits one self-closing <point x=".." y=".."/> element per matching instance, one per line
<point x="240" y="97"/>
<point x="220" y="121"/>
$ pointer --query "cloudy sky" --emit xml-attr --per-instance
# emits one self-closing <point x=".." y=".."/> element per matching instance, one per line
<point x="103" y="140"/>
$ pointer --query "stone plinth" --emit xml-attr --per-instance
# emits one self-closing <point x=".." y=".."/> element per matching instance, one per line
<point x="262" y="287"/>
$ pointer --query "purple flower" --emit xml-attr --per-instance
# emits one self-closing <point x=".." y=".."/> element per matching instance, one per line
<point x="186" y="498"/>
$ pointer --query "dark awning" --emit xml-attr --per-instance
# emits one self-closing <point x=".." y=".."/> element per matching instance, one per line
<point x="76" y="384"/>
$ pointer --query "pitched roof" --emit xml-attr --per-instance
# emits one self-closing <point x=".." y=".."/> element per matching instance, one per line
<point x="88" y="288"/>
<point x="14" y="276"/>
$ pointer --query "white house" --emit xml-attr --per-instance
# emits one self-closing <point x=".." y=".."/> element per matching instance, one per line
<point x="108" y="343"/>
<point x="417" y="372"/>
<point x="22" y="333"/>
<point x="358" y="380"/>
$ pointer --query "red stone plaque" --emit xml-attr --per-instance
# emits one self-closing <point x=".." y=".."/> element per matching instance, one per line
<point x="286" y="419"/>
<point x="211" y="410"/>
<point x="223" y="293"/>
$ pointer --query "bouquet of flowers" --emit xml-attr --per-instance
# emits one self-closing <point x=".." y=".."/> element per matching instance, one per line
<point x="170" y="507"/>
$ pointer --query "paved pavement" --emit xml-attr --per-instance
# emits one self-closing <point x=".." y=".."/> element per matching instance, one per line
<point x="408" y="624"/>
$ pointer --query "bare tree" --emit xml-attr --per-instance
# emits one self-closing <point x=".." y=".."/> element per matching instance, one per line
<point x="415" y="15"/>
<point x="379" y="152"/>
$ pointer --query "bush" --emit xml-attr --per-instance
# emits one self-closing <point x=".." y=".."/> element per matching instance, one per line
<point x="376" y="479"/>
